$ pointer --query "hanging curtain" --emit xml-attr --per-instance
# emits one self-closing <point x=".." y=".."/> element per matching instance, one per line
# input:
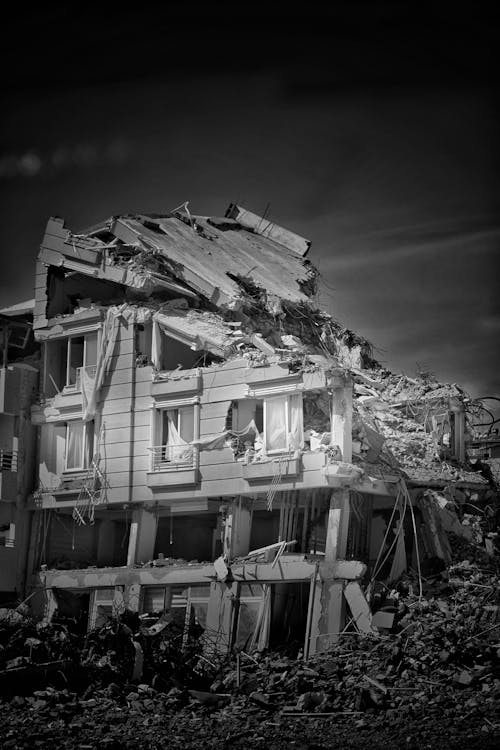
<point x="74" y="446"/>
<point x="156" y="345"/>
<point x="275" y="428"/>
<point x="296" y="422"/>
<point x="177" y="450"/>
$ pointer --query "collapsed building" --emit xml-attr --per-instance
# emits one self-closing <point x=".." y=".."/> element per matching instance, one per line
<point x="213" y="445"/>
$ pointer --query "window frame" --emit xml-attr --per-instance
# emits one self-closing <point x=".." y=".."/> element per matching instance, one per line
<point x="74" y="386"/>
<point x="87" y="445"/>
<point x="267" y="399"/>
<point x="157" y="439"/>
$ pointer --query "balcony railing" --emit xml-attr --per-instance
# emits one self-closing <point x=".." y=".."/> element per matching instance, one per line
<point x="77" y="385"/>
<point x="171" y="457"/>
<point x="8" y="460"/>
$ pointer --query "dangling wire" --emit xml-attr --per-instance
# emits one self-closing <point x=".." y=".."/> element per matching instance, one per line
<point x="417" y="554"/>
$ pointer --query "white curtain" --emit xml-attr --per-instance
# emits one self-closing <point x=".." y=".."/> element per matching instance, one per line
<point x="156" y="345"/>
<point x="296" y="422"/>
<point x="275" y="428"/>
<point x="176" y="449"/>
<point x="74" y="445"/>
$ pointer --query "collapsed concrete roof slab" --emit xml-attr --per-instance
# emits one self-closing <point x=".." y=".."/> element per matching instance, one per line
<point x="212" y="259"/>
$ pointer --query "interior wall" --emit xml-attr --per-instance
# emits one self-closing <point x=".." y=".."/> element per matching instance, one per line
<point x="265" y="528"/>
<point x="175" y="353"/>
<point x="188" y="538"/>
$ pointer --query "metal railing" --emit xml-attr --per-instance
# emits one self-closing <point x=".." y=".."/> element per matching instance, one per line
<point x="165" y="457"/>
<point x="8" y="460"/>
<point x="77" y="385"/>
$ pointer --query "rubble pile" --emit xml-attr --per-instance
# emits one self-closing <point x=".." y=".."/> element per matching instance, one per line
<point x="435" y="670"/>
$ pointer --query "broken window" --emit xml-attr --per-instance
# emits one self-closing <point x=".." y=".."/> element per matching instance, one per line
<point x="104" y="607"/>
<point x="278" y="420"/>
<point x="317" y="419"/>
<point x="176" y="355"/>
<point x="65" y="360"/>
<point x="143" y="344"/>
<point x="187" y="606"/>
<point x="79" y="445"/>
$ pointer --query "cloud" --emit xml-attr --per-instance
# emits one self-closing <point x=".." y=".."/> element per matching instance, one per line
<point x="83" y="155"/>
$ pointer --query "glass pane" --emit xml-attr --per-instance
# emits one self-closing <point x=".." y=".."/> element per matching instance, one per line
<point x="75" y="358"/>
<point x="247" y="621"/>
<point x="90" y="349"/>
<point x="74" y="445"/>
<point x="186" y="423"/>
<point x="276" y="424"/>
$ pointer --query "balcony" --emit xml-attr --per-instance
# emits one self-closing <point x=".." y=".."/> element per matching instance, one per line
<point x="283" y="466"/>
<point x="173" y="465"/>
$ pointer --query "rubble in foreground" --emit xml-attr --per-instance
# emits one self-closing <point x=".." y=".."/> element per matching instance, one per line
<point x="434" y="676"/>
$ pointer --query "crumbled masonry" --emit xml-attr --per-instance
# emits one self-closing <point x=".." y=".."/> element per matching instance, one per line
<point x="436" y="669"/>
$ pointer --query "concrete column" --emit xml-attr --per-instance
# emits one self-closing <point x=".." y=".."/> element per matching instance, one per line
<point x="106" y="542"/>
<point x="240" y="528"/>
<point x="341" y="420"/>
<point x="338" y="526"/>
<point x="333" y="608"/>
<point x="220" y="617"/>
<point x="142" y="536"/>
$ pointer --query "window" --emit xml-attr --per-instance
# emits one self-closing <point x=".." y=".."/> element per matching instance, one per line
<point x="174" y="431"/>
<point x="65" y="359"/>
<point x="177" y="433"/>
<point x="283" y="423"/>
<point x="82" y="352"/>
<point x="79" y="445"/>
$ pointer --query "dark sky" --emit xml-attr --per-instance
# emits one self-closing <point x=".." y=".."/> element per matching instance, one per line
<point x="370" y="130"/>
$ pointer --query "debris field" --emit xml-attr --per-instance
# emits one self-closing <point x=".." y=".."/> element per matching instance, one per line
<point x="433" y="675"/>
